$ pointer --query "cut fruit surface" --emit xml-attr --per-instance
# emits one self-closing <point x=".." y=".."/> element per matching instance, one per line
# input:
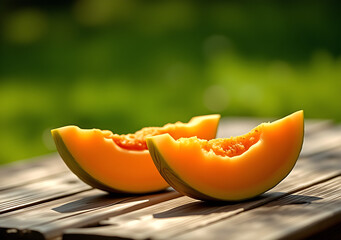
<point x="234" y="168"/>
<point x="122" y="163"/>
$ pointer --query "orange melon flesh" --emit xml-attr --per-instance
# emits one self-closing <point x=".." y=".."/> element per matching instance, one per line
<point x="122" y="163"/>
<point x="196" y="127"/>
<point x="230" y="169"/>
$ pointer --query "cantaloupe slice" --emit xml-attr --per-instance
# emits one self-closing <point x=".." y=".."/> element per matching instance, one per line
<point x="230" y="169"/>
<point x="122" y="163"/>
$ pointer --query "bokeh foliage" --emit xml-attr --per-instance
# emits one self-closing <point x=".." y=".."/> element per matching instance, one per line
<point x="125" y="64"/>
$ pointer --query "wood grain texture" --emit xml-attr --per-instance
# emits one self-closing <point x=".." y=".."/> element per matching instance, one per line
<point x="295" y="216"/>
<point x="31" y="170"/>
<point x="169" y="219"/>
<point x="95" y="216"/>
<point x="48" y="189"/>
<point x="323" y="141"/>
<point x="48" y="220"/>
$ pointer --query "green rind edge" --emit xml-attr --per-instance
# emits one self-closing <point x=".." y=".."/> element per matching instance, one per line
<point x="77" y="169"/>
<point x="172" y="178"/>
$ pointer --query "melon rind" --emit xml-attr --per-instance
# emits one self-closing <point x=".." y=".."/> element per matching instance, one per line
<point x="157" y="145"/>
<point x="204" y="126"/>
<point x="76" y="168"/>
<point x="171" y="177"/>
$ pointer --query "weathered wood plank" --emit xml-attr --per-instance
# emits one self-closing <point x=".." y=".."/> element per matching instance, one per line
<point x="37" y="192"/>
<point x="48" y="220"/>
<point x="31" y="170"/>
<point x="59" y="208"/>
<point x="317" y="125"/>
<point x="168" y="219"/>
<point x="322" y="142"/>
<point x="95" y="216"/>
<point x="296" y="216"/>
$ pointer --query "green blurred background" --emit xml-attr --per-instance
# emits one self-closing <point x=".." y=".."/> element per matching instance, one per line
<point x="123" y="64"/>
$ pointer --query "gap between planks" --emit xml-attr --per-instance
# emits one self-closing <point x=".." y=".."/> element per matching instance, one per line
<point x="24" y="172"/>
<point x="166" y="220"/>
<point x="297" y="216"/>
<point x="38" y="192"/>
<point x="50" y="219"/>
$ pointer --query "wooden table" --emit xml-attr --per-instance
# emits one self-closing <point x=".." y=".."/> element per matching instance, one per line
<point x="42" y="199"/>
